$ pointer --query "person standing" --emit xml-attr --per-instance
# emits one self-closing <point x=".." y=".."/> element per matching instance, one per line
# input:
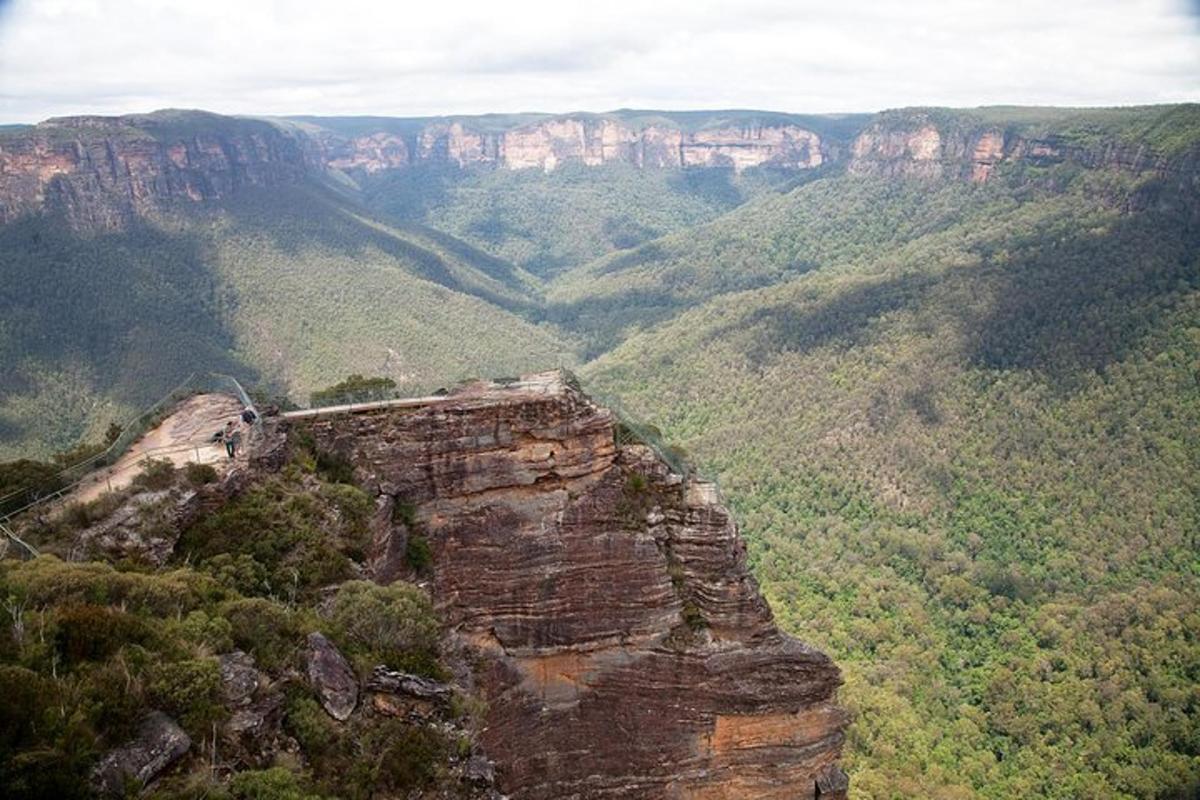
<point x="228" y="436"/>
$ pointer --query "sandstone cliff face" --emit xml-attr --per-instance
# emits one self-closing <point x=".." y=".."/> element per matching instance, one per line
<point x="617" y="638"/>
<point x="550" y="143"/>
<point x="101" y="172"/>
<point x="913" y="145"/>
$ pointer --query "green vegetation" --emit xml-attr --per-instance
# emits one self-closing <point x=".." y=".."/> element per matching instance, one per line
<point x="962" y="443"/>
<point x="354" y="389"/>
<point x="547" y="222"/>
<point x="290" y="291"/>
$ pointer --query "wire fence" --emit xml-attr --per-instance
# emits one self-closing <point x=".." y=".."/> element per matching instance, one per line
<point x="74" y="476"/>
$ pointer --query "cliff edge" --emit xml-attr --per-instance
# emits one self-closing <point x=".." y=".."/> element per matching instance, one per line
<point x="601" y="601"/>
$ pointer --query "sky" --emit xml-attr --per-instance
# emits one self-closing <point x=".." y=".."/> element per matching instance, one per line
<point x="398" y="58"/>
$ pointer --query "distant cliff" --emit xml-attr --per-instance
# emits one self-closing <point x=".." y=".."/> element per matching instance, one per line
<point x="547" y="144"/>
<point x="101" y="172"/>
<point x="973" y="145"/>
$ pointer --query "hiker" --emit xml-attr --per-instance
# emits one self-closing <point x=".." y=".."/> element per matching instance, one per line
<point x="248" y="415"/>
<point x="234" y="442"/>
<point x="227" y="436"/>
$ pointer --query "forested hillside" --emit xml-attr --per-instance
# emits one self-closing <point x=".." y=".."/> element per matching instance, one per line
<point x="960" y="425"/>
<point x="288" y="289"/>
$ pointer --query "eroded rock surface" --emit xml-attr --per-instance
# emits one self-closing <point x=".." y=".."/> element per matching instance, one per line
<point x="159" y="743"/>
<point x="332" y="677"/>
<point x="620" y="644"/>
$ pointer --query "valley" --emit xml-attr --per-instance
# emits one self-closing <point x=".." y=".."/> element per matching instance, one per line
<point x="941" y="363"/>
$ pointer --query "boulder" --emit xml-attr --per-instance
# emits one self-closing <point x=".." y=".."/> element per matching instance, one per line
<point x="239" y="678"/>
<point x="332" y="677"/>
<point x="159" y="743"/>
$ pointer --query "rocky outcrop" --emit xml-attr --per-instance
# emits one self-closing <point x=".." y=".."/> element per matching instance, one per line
<point x="102" y="172"/>
<point x="619" y="643"/>
<point x="331" y="676"/>
<point x="589" y="140"/>
<point x="916" y="143"/>
<point x="159" y="743"/>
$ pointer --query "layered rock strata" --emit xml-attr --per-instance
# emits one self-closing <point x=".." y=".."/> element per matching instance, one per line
<point x="912" y="144"/>
<point x="618" y="640"/>
<point x="103" y="172"/>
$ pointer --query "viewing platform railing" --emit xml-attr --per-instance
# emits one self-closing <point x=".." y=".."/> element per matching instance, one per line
<point x="72" y="477"/>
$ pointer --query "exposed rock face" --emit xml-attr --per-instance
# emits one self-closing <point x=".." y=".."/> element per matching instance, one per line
<point x="620" y="643"/>
<point x="102" y="172"/>
<point x="159" y="743"/>
<point x="332" y="677"/>
<point x="592" y="141"/>
<point x="912" y="144"/>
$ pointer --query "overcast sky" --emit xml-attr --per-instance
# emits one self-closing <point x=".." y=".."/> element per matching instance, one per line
<point x="402" y="58"/>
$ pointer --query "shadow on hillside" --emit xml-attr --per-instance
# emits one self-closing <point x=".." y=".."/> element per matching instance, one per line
<point x="1084" y="300"/>
<point x="136" y="311"/>
<point x="306" y="219"/>
<point x="843" y="319"/>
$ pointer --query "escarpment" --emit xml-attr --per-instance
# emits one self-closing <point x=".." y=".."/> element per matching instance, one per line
<point x="102" y="172"/>
<point x="619" y="643"/>
<point x="917" y="143"/>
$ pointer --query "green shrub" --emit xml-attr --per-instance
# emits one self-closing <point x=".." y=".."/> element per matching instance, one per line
<point x="334" y="467"/>
<point x="354" y="389"/>
<point x="189" y="691"/>
<point x="392" y="624"/>
<point x="84" y="515"/>
<point x="404" y="514"/>
<point x="93" y="633"/>
<point x="317" y="734"/>
<point x="211" y="633"/>
<point x="265" y="629"/>
<point x="276" y="783"/>
<point x="199" y="474"/>
<point x="240" y="572"/>
<point x="417" y="553"/>
<point x="156" y="475"/>
<point x="50" y="581"/>
<point x="27" y="696"/>
<point x="406" y="757"/>
<point x="113" y="699"/>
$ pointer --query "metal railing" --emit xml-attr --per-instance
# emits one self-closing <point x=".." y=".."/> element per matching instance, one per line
<point x="72" y="477"/>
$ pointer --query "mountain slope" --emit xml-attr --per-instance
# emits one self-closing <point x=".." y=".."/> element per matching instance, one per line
<point x="963" y="441"/>
<point x="287" y="282"/>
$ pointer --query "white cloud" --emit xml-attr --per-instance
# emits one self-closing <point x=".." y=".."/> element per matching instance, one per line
<point x="396" y="58"/>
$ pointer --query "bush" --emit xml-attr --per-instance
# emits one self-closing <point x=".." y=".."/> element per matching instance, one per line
<point x="411" y="758"/>
<point x="211" y="633"/>
<point x="265" y="629"/>
<point x="156" y="475"/>
<point x="417" y="553"/>
<point x="93" y="633"/>
<point x="84" y="515"/>
<point x="276" y="783"/>
<point x="355" y="389"/>
<point x="199" y="474"/>
<point x="392" y="624"/>
<point x="189" y="691"/>
<point x="317" y="734"/>
<point x="26" y="695"/>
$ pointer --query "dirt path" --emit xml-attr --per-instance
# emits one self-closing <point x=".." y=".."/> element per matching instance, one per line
<point x="182" y="437"/>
